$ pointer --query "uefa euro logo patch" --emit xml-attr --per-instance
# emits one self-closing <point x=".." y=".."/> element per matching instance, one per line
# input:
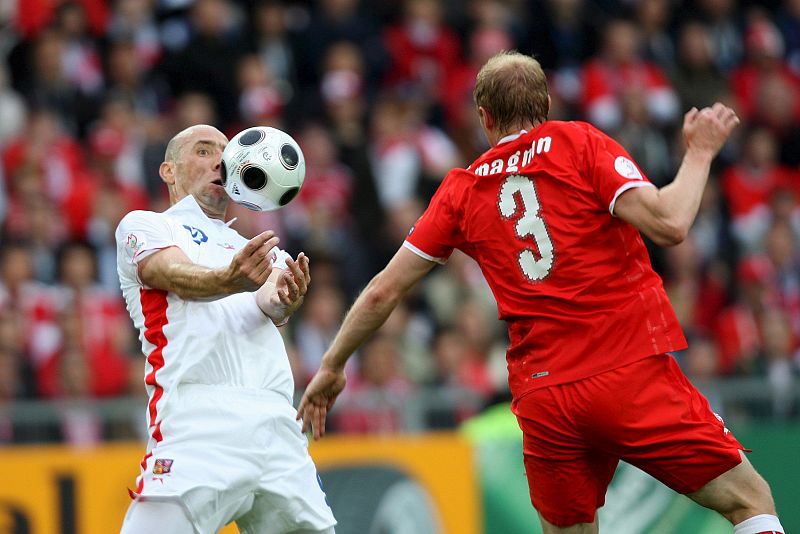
<point x="162" y="467"/>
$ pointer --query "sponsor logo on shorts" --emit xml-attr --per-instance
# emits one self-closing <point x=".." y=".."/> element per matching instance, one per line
<point x="540" y="374"/>
<point x="162" y="466"/>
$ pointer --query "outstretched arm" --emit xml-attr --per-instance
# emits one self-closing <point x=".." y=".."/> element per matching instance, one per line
<point x="665" y="215"/>
<point x="369" y="312"/>
<point x="171" y="269"/>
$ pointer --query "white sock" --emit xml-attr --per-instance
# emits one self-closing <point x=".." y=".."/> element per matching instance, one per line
<point x="758" y="524"/>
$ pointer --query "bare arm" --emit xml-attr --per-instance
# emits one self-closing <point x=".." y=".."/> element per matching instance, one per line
<point x="665" y="215"/>
<point x="369" y="312"/>
<point x="171" y="270"/>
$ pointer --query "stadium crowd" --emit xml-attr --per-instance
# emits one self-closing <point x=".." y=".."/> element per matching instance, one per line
<point x="379" y="96"/>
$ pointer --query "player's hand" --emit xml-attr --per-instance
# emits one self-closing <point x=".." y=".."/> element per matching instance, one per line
<point x="252" y="265"/>
<point x="293" y="283"/>
<point x="706" y="130"/>
<point x="318" y="399"/>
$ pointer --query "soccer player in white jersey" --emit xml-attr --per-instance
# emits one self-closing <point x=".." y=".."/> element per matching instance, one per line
<point x="224" y="444"/>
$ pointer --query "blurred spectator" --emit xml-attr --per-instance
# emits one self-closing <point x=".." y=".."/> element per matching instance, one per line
<point x="695" y="77"/>
<point x="461" y="119"/>
<point x="749" y="184"/>
<point x="788" y="20"/>
<point x="377" y="394"/>
<point x="619" y="67"/>
<point x="322" y="312"/>
<point x="778" y="343"/>
<point x="723" y="26"/>
<point x="424" y="52"/>
<point x="52" y="164"/>
<point x="12" y="109"/>
<point x="764" y="63"/>
<point x="133" y="24"/>
<point x="36" y="305"/>
<point x="563" y="33"/>
<point x="209" y="60"/>
<point x="335" y="21"/>
<point x="260" y="98"/>
<point x="653" y="18"/>
<point x="345" y="103"/>
<point x="129" y="78"/>
<point x="34" y="15"/>
<point x="738" y="327"/>
<point x="643" y="141"/>
<point x="273" y="44"/>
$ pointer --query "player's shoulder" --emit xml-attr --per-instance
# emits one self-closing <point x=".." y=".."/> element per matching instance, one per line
<point x="575" y="129"/>
<point x="140" y="219"/>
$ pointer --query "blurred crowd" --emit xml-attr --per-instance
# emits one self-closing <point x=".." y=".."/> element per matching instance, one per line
<point x="378" y="94"/>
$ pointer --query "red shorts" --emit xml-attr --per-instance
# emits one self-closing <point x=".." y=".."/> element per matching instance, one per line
<point x="646" y="413"/>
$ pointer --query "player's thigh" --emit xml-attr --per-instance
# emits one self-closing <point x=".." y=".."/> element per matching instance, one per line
<point x="737" y="494"/>
<point x="580" y="528"/>
<point x="567" y="476"/>
<point x="149" y="517"/>
<point x="290" y="496"/>
<point x="651" y="416"/>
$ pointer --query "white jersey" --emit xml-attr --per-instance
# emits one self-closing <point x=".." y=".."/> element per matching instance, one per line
<point x="227" y="342"/>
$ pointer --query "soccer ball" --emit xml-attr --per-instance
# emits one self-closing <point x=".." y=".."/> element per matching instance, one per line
<point x="262" y="168"/>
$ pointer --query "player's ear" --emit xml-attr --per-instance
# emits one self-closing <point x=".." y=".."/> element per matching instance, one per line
<point x="549" y="105"/>
<point x="487" y="121"/>
<point x="167" y="172"/>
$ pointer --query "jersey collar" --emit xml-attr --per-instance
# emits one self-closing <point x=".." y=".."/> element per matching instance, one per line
<point x="189" y="203"/>
<point x="511" y="137"/>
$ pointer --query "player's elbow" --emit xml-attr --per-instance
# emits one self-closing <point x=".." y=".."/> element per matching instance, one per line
<point x="669" y="233"/>
<point x="379" y="295"/>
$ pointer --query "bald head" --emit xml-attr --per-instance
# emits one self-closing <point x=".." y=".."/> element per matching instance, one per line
<point x="512" y="88"/>
<point x="175" y="144"/>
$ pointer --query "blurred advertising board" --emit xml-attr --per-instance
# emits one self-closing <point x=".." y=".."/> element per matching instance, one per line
<point x="421" y="484"/>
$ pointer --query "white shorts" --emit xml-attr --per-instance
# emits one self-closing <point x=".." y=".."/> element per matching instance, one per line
<point x="234" y="454"/>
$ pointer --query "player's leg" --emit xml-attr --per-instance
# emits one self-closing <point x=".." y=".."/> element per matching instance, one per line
<point x="148" y="517"/>
<point x="664" y="426"/>
<point x="740" y="494"/>
<point x="567" y="476"/>
<point x="580" y="528"/>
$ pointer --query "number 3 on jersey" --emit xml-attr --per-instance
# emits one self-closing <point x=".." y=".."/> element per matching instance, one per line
<point x="529" y="225"/>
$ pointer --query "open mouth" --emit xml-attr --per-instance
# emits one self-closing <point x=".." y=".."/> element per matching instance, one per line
<point x="217" y="182"/>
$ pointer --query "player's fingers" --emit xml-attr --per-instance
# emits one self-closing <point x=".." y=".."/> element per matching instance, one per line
<point x="298" y="276"/>
<point x="253" y="245"/>
<point x="318" y="422"/>
<point x="292" y="288"/>
<point x="305" y="266"/>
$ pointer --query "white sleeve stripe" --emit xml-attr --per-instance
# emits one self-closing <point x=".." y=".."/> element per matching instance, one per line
<point x="423" y="255"/>
<point x="623" y="188"/>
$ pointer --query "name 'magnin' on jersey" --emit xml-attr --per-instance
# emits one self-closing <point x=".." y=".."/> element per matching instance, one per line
<point x="573" y="282"/>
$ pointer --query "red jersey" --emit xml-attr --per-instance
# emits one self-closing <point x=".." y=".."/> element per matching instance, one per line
<point x="573" y="282"/>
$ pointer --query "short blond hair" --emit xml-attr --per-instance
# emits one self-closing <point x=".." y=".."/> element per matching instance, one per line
<point x="512" y="87"/>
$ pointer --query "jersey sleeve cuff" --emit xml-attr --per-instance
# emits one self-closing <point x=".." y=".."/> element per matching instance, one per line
<point x="623" y="188"/>
<point x="424" y="255"/>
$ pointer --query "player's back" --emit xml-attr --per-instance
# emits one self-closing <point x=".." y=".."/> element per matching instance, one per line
<point x="574" y="283"/>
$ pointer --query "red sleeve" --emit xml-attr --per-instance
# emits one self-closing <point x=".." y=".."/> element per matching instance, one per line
<point x="610" y="169"/>
<point x="436" y="233"/>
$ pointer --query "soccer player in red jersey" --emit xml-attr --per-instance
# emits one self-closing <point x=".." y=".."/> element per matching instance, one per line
<point x="552" y="214"/>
